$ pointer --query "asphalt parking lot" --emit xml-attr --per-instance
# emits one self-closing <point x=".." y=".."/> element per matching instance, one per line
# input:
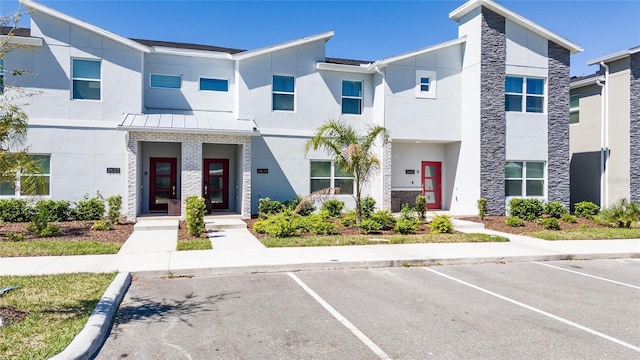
<point x="534" y="310"/>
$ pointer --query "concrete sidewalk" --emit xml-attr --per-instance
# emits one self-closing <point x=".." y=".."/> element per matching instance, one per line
<point x="152" y="252"/>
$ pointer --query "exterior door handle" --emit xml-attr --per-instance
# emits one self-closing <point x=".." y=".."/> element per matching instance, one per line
<point x="205" y="189"/>
<point x="173" y="190"/>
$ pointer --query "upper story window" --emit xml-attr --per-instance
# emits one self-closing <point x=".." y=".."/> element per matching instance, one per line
<point x="283" y="93"/>
<point x="524" y="94"/>
<point x="86" y="79"/>
<point x="351" y="97"/>
<point x="524" y="178"/>
<point x="162" y="81"/>
<point x="214" y="84"/>
<point x="1" y="76"/>
<point x="324" y="174"/>
<point x="574" y="109"/>
<point x="41" y="182"/>
<point x="425" y="84"/>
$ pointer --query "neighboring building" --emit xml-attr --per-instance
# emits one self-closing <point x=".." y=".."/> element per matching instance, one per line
<point x="483" y="115"/>
<point x="605" y="131"/>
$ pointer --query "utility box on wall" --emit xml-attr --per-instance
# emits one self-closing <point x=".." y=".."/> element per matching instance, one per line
<point x="174" y="207"/>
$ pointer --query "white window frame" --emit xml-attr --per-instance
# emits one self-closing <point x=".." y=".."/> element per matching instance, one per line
<point x="523" y="95"/>
<point x="524" y="179"/>
<point x="18" y="192"/>
<point x="575" y="109"/>
<point x="99" y="80"/>
<point x="431" y="75"/>
<point x="162" y="87"/>
<point x="332" y="178"/>
<point x="212" y="78"/>
<point x="292" y="93"/>
<point x="361" y="97"/>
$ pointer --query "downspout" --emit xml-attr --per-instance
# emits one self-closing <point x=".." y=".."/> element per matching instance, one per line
<point x="607" y="87"/>
<point x="602" y="127"/>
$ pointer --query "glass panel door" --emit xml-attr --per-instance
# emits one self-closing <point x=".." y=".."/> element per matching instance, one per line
<point x="162" y="182"/>
<point x="431" y="183"/>
<point x="216" y="183"/>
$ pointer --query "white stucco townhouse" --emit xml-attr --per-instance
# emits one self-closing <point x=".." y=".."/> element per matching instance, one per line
<point x="483" y="115"/>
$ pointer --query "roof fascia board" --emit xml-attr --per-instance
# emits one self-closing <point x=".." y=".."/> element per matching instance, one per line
<point x="403" y="56"/>
<point x="615" y="56"/>
<point x="585" y="82"/>
<point x="21" y="40"/>
<point x="467" y="7"/>
<point x="187" y="130"/>
<point x="190" y="53"/>
<point x="281" y="46"/>
<point x="344" y="68"/>
<point x="69" y="19"/>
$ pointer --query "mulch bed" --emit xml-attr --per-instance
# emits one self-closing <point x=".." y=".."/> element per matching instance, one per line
<point x="73" y="231"/>
<point x="9" y="315"/>
<point x="497" y="223"/>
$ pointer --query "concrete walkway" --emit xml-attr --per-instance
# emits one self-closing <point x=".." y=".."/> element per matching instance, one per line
<point x="151" y="250"/>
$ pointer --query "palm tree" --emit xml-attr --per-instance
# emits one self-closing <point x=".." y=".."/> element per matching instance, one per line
<point x="351" y="151"/>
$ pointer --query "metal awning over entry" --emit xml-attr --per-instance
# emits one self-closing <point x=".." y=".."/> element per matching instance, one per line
<point x="188" y="121"/>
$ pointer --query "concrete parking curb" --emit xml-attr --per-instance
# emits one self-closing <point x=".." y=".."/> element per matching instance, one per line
<point x="88" y="342"/>
<point x="212" y="271"/>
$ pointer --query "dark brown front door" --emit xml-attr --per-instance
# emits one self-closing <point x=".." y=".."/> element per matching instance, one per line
<point x="216" y="183"/>
<point x="431" y="183"/>
<point x="162" y="183"/>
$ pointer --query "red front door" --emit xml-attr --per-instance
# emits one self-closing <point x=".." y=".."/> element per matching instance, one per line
<point x="216" y="183"/>
<point x="431" y="183"/>
<point x="162" y="182"/>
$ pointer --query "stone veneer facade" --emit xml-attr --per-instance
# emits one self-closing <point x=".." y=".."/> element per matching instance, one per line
<point x="191" y="171"/>
<point x="492" y="114"/>
<point x="558" y="161"/>
<point x="634" y="127"/>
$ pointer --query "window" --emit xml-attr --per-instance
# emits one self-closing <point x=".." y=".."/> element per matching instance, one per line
<point x="43" y="188"/>
<point x="1" y="76"/>
<point x="425" y="84"/>
<point x="166" y="81"/>
<point x="524" y="178"/>
<point x="86" y="79"/>
<point x="283" y="87"/>
<point x="324" y="174"/>
<point x="351" y="97"/>
<point x="524" y="93"/>
<point x="574" y="109"/>
<point x="214" y="84"/>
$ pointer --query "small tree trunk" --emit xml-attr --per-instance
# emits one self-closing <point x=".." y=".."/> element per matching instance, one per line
<point x="358" y="204"/>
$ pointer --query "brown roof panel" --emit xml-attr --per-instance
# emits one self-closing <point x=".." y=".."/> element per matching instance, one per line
<point x="331" y="60"/>
<point x="24" y="32"/>
<point x="179" y="45"/>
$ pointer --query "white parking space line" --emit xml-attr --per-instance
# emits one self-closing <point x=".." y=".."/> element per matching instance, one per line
<point x="587" y="275"/>
<point x="542" y="312"/>
<point x="381" y="354"/>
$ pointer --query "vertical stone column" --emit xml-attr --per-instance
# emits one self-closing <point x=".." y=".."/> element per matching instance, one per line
<point x="558" y="165"/>
<point x="246" y="178"/>
<point x="386" y="176"/>
<point x="131" y="199"/>
<point x="492" y="114"/>
<point x="634" y="127"/>
<point x="191" y="169"/>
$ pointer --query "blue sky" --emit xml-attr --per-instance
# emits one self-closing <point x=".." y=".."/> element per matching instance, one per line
<point x="366" y="30"/>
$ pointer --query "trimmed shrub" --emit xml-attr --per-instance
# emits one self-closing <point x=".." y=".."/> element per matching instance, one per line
<point x="305" y="208"/>
<point x="441" y="224"/>
<point x="267" y="207"/>
<point x="14" y="237"/>
<point x="368" y="205"/>
<point x="349" y="219"/>
<point x="115" y="203"/>
<point x="195" y="215"/>
<point x="406" y="226"/>
<point x="385" y="218"/>
<point x="324" y="228"/>
<point x="285" y="224"/>
<point x="586" y="209"/>
<point x="368" y="226"/>
<point x="40" y="226"/>
<point x="568" y="218"/>
<point x="333" y="206"/>
<point x="101" y="225"/>
<point x="407" y="212"/>
<point x="482" y="208"/>
<point x="513" y="221"/>
<point x="555" y="209"/>
<point x="293" y="203"/>
<point x="89" y="209"/>
<point x="526" y="209"/>
<point x="421" y="206"/>
<point x="550" y="223"/>
<point x="15" y="210"/>
<point x="56" y="210"/>
<point x="621" y="215"/>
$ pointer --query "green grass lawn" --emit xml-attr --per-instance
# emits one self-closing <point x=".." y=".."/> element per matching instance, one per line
<point x="586" y="234"/>
<point x="302" y="241"/>
<point x="194" y="244"/>
<point x="58" y="307"/>
<point x="53" y="247"/>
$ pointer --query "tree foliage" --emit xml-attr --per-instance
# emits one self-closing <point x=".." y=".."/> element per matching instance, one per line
<point x="352" y="152"/>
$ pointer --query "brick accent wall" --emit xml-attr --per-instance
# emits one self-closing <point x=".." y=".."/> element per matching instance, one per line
<point x="191" y="171"/>
<point x="634" y="127"/>
<point x="558" y="166"/>
<point x="492" y="113"/>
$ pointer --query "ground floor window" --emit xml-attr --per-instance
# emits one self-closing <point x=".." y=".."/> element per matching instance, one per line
<point x="24" y="178"/>
<point x="524" y="178"/>
<point x="324" y="174"/>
